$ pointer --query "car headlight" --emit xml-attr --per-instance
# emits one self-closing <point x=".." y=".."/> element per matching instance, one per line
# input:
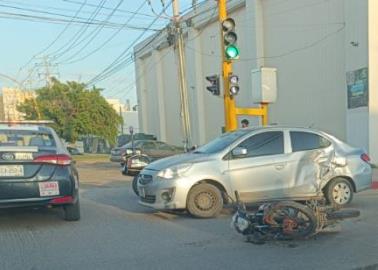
<point x="174" y="171"/>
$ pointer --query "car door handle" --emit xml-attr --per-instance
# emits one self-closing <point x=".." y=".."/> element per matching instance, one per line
<point x="280" y="166"/>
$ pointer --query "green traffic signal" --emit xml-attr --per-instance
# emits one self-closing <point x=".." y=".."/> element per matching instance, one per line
<point x="232" y="52"/>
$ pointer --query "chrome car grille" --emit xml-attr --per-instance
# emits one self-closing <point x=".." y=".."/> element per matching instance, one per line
<point x="148" y="199"/>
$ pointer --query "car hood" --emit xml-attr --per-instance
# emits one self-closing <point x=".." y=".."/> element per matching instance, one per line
<point x="167" y="162"/>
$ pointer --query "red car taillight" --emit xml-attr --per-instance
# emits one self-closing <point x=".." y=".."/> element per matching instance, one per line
<point x="60" y="159"/>
<point x="62" y="200"/>
<point x="365" y="158"/>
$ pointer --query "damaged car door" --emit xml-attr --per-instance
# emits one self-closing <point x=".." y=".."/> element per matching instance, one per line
<point x="309" y="163"/>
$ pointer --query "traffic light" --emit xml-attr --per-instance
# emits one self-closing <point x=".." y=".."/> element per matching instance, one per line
<point x="234" y="84"/>
<point x="214" y="84"/>
<point x="231" y="50"/>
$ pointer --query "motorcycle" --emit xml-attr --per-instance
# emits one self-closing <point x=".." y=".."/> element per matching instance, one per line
<point x="287" y="220"/>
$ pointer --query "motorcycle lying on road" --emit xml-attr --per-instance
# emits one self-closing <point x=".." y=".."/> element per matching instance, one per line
<point x="287" y="220"/>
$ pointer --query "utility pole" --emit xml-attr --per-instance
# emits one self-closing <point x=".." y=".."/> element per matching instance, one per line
<point x="48" y="68"/>
<point x="183" y="88"/>
<point x="120" y="114"/>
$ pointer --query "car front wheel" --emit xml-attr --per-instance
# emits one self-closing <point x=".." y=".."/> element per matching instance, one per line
<point x="339" y="192"/>
<point x="204" y="201"/>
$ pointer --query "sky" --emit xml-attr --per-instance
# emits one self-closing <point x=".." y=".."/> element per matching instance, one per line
<point x="36" y="32"/>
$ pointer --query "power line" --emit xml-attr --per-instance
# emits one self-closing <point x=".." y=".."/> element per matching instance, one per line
<point x="119" y="62"/>
<point x="59" y="35"/>
<point x="95" y="33"/>
<point x="108" y="8"/>
<point x="44" y="7"/>
<point x="293" y="51"/>
<point x="109" y="39"/>
<point x="34" y="18"/>
<point x="61" y="51"/>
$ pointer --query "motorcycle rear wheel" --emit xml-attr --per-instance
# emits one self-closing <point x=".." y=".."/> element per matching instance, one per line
<point x="302" y="215"/>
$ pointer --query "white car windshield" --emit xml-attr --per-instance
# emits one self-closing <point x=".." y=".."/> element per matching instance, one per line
<point x="221" y="142"/>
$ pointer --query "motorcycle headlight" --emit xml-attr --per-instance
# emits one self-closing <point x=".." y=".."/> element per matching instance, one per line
<point x="239" y="223"/>
<point x="129" y="151"/>
<point x="174" y="171"/>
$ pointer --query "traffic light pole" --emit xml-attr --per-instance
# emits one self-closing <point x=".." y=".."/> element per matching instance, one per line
<point x="230" y="110"/>
<point x="229" y="101"/>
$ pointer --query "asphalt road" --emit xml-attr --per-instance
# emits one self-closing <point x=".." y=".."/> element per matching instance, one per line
<point x="116" y="233"/>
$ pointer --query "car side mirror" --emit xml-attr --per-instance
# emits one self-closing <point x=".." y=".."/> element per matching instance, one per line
<point x="239" y="152"/>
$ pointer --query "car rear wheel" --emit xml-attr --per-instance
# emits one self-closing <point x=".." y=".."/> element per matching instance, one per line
<point x="72" y="211"/>
<point x="135" y="184"/>
<point x="339" y="192"/>
<point x="205" y="201"/>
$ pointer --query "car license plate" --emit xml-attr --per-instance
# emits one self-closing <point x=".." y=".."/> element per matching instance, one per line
<point x="142" y="192"/>
<point x="23" y="156"/>
<point x="11" y="170"/>
<point x="48" y="189"/>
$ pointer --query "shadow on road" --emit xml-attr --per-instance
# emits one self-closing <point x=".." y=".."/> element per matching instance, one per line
<point x="29" y="218"/>
<point x="121" y="195"/>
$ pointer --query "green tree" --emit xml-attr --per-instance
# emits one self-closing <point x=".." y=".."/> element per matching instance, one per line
<point x="75" y="111"/>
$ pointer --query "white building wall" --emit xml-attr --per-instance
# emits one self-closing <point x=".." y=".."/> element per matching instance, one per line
<point x="307" y="41"/>
<point x="356" y="57"/>
<point x="130" y="119"/>
<point x="373" y="80"/>
<point x="304" y="40"/>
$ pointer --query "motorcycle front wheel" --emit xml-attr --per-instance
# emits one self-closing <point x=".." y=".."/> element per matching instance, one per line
<point x="295" y="220"/>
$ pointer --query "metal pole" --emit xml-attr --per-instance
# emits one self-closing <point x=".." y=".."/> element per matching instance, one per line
<point x="229" y="102"/>
<point x="183" y="88"/>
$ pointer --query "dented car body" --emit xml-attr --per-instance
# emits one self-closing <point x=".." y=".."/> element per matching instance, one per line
<point x="261" y="164"/>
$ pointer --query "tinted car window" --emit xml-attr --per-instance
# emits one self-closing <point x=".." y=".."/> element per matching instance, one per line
<point x="164" y="146"/>
<point x="26" y="138"/>
<point x="302" y="141"/>
<point x="130" y="144"/>
<point x="220" y="143"/>
<point x="148" y="146"/>
<point x="264" y="144"/>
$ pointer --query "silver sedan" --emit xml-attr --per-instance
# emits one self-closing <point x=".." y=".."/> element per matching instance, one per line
<point x="261" y="164"/>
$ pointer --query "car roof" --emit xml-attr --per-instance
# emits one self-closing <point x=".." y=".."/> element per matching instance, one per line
<point x="26" y="128"/>
<point x="285" y="127"/>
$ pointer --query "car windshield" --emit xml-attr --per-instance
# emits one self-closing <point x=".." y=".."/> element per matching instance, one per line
<point x="220" y="143"/>
<point x="130" y="144"/>
<point x="26" y="138"/>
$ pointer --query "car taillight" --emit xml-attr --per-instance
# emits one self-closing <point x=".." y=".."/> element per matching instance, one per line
<point x="61" y="200"/>
<point x="60" y="159"/>
<point x="365" y="158"/>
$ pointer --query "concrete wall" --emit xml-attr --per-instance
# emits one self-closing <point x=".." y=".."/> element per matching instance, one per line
<point x="373" y="80"/>
<point x="304" y="40"/>
<point x="356" y="57"/>
<point x="308" y="42"/>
